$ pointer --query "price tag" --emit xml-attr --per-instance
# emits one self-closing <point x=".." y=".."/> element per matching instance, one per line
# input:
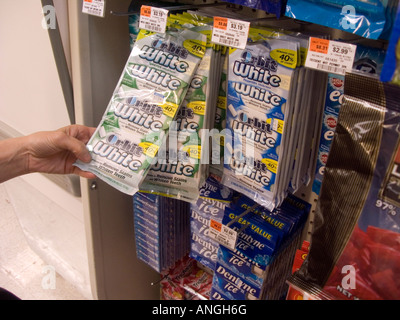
<point x="230" y="32"/>
<point x="330" y="56"/>
<point x="153" y="19"/>
<point x="222" y="234"/>
<point x="94" y="7"/>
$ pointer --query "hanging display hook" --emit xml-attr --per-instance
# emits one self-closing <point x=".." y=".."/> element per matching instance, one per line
<point x="250" y="209"/>
<point x="159" y="281"/>
<point x="174" y="8"/>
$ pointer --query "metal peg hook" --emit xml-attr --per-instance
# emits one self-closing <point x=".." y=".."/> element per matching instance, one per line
<point x="159" y="281"/>
<point x="242" y="214"/>
<point x="93" y="185"/>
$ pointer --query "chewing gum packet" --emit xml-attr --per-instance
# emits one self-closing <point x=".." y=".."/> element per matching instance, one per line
<point x="355" y="251"/>
<point x="233" y="286"/>
<point x="367" y="60"/>
<point x="259" y="82"/>
<point x="182" y="163"/>
<point x="260" y="263"/>
<point x="213" y="200"/>
<point x="136" y="122"/>
<point x="178" y="171"/>
<point x="217" y="151"/>
<point x="161" y="230"/>
<point x="185" y="280"/>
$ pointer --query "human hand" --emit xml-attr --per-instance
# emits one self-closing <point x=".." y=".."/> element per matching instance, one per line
<point x="56" y="151"/>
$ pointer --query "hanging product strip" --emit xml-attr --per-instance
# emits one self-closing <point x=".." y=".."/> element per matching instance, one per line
<point x="274" y="228"/>
<point x="356" y="223"/>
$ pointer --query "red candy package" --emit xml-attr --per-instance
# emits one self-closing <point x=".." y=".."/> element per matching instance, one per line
<point x="186" y="281"/>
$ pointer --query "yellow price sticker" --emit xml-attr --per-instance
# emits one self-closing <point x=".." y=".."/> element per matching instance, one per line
<point x="199" y="107"/>
<point x="195" y="47"/>
<point x="278" y="125"/>
<point x="169" y="109"/>
<point x="285" y="57"/>
<point x="272" y="165"/>
<point x="221" y="102"/>
<point x="149" y="149"/>
<point x="194" y="151"/>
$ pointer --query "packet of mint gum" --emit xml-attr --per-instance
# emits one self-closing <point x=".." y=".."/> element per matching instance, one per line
<point x="145" y="101"/>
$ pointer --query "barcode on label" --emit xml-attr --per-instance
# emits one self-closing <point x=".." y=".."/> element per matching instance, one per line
<point x="228" y="42"/>
<point x="330" y="68"/>
<point x="152" y="27"/>
<point x="93" y="11"/>
<point x="223" y="241"/>
<point x="220" y="238"/>
<point x="229" y="232"/>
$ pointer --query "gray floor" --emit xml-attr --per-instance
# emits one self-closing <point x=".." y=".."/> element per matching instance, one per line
<point x="21" y="270"/>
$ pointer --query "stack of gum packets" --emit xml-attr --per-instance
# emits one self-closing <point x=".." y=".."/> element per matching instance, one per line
<point x="161" y="230"/>
<point x="270" y="117"/>
<point x="145" y="102"/>
<point x="261" y="261"/>
<point x="213" y="200"/>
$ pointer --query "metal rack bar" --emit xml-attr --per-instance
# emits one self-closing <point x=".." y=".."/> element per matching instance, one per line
<point x="174" y="8"/>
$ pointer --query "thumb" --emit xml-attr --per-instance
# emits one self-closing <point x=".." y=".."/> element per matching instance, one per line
<point x="75" y="146"/>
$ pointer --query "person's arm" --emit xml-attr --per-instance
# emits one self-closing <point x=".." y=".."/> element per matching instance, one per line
<point x="47" y="152"/>
<point x="13" y="158"/>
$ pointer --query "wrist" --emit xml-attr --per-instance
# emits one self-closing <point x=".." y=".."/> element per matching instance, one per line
<point x="14" y="159"/>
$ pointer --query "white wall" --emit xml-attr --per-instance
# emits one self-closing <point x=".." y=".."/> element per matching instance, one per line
<point x="31" y="97"/>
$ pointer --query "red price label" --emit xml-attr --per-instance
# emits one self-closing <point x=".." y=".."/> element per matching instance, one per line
<point x="145" y="11"/>
<point x="215" y="225"/>
<point x="319" y="45"/>
<point x="220" y="23"/>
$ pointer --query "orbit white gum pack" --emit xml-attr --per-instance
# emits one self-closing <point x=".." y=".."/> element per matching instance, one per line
<point x="303" y="110"/>
<point x="259" y="83"/>
<point x="188" y="136"/>
<point x="149" y="92"/>
<point x="293" y="105"/>
<point x="179" y="170"/>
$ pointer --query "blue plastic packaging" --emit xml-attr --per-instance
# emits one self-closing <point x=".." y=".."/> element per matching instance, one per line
<point x="372" y="19"/>
<point x="271" y="6"/>
<point x="391" y="69"/>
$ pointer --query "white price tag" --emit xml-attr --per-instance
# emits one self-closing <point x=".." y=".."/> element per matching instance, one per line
<point x="153" y="19"/>
<point x="222" y="234"/>
<point x="230" y="32"/>
<point x="330" y="56"/>
<point x="94" y="7"/>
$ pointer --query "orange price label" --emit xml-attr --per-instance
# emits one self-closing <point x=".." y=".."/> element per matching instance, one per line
<point x="319" y="45"/>
<point x="145" y="11"/>
<point x="94" y="8"/>
<point x="215" y="225"/>
<point x="220" y="23"/>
